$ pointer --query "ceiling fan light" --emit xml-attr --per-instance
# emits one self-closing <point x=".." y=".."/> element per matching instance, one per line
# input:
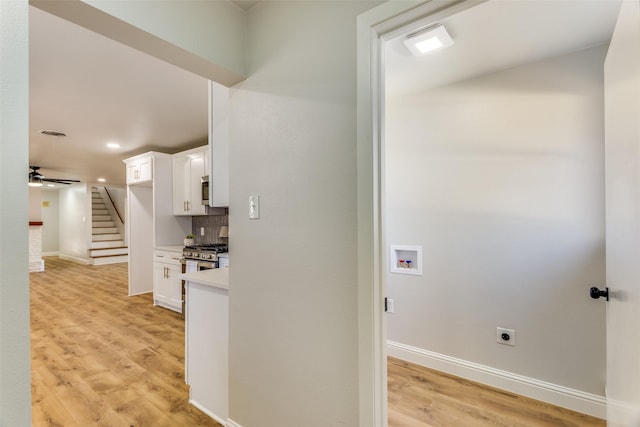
<point x="429" y="40"/>
<point x="35" y="182"/>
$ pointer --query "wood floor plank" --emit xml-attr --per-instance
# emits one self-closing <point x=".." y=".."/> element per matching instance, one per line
<point x="102" y="358"/>
<point x="420" y="397"/>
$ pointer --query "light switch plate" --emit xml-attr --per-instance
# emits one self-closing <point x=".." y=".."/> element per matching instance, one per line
<point x="254" y="207"/>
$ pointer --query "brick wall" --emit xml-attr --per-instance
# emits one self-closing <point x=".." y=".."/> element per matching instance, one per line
<point x="36" y="263"/>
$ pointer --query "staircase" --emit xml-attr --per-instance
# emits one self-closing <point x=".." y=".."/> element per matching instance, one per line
<point x="107" y="245"/>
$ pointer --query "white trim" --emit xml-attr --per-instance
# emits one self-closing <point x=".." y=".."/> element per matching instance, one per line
<point x="50" y="253"/>
<point x="576" y="400"/>
<point x="74" y="259"/>
<point x="371" y="26"/>
<point x="208" y="412"/>
<point x="231" y="423"/>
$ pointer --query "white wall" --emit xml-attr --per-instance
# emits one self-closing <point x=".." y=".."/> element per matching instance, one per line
<point x="51" y="222"/>
<point x="15" y="388"/>
<point x="35" y="194"/>
<point x="501" y="180"/>
<point x="75" y="216"/>
<point x="205" y="37"/>
<point x="293" y="299"/>
<point x="189" y="25"/>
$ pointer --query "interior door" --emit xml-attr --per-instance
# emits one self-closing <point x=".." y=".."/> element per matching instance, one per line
<point x="622" y="170"/>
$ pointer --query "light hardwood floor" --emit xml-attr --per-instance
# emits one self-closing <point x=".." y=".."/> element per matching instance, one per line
<point x="101" y="358"/>
<point x="421" y="397"/>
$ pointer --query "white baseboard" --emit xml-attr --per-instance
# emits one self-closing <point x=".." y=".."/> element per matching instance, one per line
<point x="576" y="400"/>
<point x="50" y="253"/>
<point x="208" y="412"/>
<point x="74" y="259"/>
<point x="231" y="423"/>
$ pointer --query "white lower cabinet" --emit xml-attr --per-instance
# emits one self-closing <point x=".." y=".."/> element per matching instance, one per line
<point x="167" y="284"/>
<point x="207" y="349"/>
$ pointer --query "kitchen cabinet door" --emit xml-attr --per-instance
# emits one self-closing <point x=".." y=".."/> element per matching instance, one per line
<point x="161" y="284"/>
<point x="180" y="185"/>
<point x="167" y="284"/>
<point x="175" y="286"/>
<point x="188" y="170"/>
<point x="139" y="170"/>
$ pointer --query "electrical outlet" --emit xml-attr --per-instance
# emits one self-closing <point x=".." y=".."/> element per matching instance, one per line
<point x="506" y="336"/>
<point x="202" y="231"/>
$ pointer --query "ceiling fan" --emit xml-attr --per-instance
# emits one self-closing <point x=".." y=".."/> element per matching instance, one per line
<point x="36" y="178"/>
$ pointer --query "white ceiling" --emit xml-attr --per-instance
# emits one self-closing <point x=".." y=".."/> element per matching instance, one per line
<point x="97" y="91"/>
<point x="497" y="35"/>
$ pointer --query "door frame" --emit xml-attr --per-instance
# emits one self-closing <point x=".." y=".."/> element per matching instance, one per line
<point x="374" y="27"/>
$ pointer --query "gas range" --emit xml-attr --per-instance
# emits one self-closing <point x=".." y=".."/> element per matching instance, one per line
<point x="204" y="252"/>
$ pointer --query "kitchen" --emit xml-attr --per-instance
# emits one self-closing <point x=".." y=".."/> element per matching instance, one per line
<point x="182" y="200"/>
<point x="191" y="236"/>
<point x="176" y="188"/>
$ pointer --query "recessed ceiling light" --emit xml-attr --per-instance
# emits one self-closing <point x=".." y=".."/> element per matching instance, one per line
<point x="428" y="40"/>
<point x="101" y="180"/>
<point x="53" y="133"/>
<point x="113" y="145"/>
<point x="50" y="185"/>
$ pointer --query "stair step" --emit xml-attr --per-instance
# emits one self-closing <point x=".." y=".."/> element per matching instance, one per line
<point x="106" y="237"/>
<point x="104" y="230"/>
<point x="108" y="244"/>
<point x="101" y="217"/>
<point x="96" y="212"/>
<point x="94" y="253"/>
<point x="111" y="259"/>
<point x="103" y="224"/>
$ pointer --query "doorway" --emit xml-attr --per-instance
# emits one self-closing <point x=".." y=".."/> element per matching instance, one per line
<point x="508" y="221"/>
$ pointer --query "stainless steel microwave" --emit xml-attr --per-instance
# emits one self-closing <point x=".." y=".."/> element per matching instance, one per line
<point x="205" y="190"/>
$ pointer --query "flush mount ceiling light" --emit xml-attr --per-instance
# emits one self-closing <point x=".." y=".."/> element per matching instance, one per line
<point x="428" y="40"/>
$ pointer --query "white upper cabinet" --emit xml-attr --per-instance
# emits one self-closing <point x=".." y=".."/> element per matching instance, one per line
<point x="218" y="145"/>
<point x="139" y="169"/>
<point x="188" y="170"/>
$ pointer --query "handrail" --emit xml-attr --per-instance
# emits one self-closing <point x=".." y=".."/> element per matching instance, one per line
<point x="114" y="205"/>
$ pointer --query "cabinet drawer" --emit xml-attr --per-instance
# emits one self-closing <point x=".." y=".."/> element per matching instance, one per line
<point x="167" y="257"/>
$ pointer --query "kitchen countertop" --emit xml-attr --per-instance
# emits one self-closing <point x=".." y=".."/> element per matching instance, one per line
<point x="216" y="277"/>
<point x="176" y="248"/>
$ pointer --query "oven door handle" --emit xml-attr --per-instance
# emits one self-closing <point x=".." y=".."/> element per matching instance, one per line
<point x="206" y="265"/>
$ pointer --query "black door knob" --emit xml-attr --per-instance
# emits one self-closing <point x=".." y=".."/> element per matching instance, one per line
<point x="597" y="293"/>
